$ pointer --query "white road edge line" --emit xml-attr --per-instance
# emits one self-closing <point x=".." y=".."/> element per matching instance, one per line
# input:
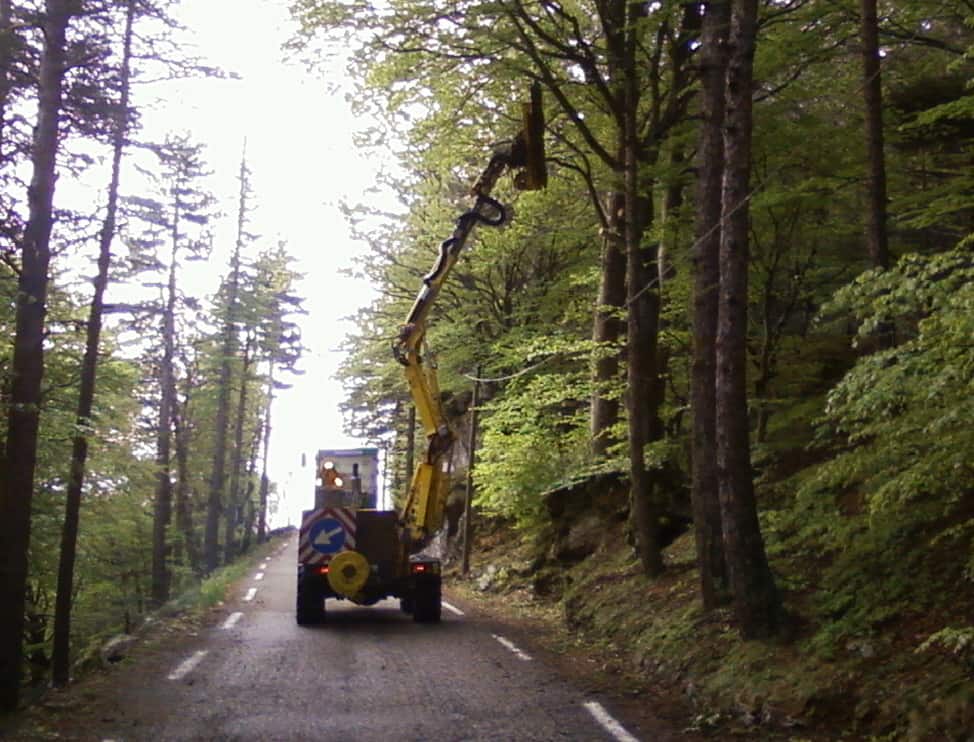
<point x="451" y="608"/>
<point x="259" y="576"/>
<point x="232" y="620"/>
<point x="513" y="647"/>
<point x="605" y="720"/>
<point x="187" y="665"/>
<point x="250" y="595"/>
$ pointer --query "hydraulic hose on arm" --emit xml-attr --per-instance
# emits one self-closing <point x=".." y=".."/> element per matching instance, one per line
<point x="422" y="514"/>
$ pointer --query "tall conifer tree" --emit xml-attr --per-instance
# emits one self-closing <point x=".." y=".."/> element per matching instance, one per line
<point x="17" y="466"/>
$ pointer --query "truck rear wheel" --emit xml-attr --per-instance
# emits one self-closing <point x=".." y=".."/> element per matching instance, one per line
<point x="310" y="605"/>
<point x="426" y="601"/>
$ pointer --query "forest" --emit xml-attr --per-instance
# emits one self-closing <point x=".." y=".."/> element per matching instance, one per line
<point x="137" y="408"/>
<point x="726" y="352"/>
<point x="733" y="335"/>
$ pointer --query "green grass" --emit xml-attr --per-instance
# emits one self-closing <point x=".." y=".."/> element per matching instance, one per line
<point x="213" y="589"/>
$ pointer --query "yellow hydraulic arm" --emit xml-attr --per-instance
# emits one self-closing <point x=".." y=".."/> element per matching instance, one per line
<point x="422" y="514"/>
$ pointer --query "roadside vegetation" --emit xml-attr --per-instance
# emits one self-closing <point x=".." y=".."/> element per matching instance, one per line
<point x="725" y="359"/>
<point x="67" y="712"/>
<point x="137" y="408"/>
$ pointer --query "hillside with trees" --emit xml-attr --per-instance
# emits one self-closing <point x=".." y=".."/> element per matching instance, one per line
<point x="727" y="353"/>
<point x="723" y="362"/>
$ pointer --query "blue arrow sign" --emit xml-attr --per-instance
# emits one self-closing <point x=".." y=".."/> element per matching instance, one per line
<point x="327" y="536"/>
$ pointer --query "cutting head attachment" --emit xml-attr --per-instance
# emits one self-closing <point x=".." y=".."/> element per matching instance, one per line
<point x="529" y="149"/>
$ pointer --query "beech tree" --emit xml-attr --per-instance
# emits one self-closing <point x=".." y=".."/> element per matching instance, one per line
<point x="607" y="328"/>
<point x="877" y="242"/>
<point x="790" y="235"/>
<point x="756" y="602"/>
<point x="617" y="73"/>
<point x="706" y="272"/>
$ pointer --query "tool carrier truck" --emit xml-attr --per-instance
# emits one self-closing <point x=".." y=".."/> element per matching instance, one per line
<point x="351" y="550"/>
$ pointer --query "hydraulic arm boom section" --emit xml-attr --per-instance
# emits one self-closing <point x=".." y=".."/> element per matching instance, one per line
<point x="422" y="514"/>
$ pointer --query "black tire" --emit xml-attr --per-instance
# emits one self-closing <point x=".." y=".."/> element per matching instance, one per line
<point x="426" y="601"/>
<point x="406" y="605"/>
<point x="310" y="606"/>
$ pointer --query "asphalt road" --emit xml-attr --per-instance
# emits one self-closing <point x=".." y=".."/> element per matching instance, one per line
<point x="367" y="674"/>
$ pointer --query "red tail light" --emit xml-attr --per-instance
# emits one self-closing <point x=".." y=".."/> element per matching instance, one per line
<point x="419" y="568"/>
<point x="323" y="570"/>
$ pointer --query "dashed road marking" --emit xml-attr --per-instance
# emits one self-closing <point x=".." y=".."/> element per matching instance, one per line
<point x="264" y="565"/>
<point x="250" y="595"/>
<point x="513" y="647"/>
<point x="259" y="576"/>
<point x="605" y="720"/>
<point x="451" y="608"/>
<point x="232" y="620"/>
<point x="188" y="665"/>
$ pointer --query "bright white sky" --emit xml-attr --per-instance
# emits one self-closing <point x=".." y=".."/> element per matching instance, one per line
<point x="299" y="148"/>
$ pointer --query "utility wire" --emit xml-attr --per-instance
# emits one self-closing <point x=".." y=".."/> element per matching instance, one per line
<point x="511" y="376"/>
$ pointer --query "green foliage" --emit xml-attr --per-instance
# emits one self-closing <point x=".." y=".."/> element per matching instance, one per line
<point x="535" y="437"/>
<point x="957" y="641"/>
<point x="898" y="486"/>
<point x="871" y="524"/>
<point x="110" y="585"/>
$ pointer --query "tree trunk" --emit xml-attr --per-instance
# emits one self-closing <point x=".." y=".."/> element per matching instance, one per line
<point x="183" y="507"/>
<point x="608" y="327"/>
<point x="249" y="511"/>
<point x="86" y="394"/>
<point x="642" y="325"/>
<point x="8" y="39"/>
<point x="264" y="479"/>
<point x="706" y="277"/>
<point x="262" y="513"/>
<point x="877" y="242"/>
<point x="162" y="509"/>
<point x="214" y="505"/>
<point x="469" y="487"/>
<point x="37" y="617"/>
<point x="234" y="500"/>
<point x="250" y="516"/>
<point x="643" y="382"/>
<point x="762" y="390"/>
<point x="755" y="596"/>
<point x="20" y="459"/>
<point x="670" y="217"/>
<point x="214" y="502"/>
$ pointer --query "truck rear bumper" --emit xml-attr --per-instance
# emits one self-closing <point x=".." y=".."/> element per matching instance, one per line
<point x="313" y="580"/>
